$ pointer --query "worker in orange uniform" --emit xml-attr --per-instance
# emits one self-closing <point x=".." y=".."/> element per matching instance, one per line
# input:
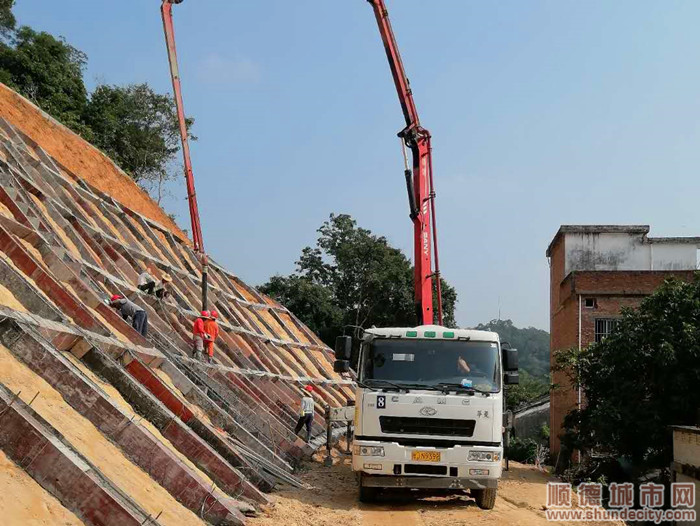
<point x="199" y="335"/>
<point x="212" y="330"/>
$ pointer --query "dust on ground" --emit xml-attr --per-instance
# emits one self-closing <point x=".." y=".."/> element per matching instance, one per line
<point x="333" y="502"/>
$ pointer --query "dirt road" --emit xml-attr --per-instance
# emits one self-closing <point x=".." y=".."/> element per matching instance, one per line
<point x="333" y="502"/>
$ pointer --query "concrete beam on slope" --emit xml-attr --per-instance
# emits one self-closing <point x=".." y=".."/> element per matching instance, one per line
<point x="218" y="413"/>
<point x="198" y="450"/>
<point x="52" y="288"/>
<point x="38" y="449"/>
<point x="160" y="390"/>
<point x="132" y="438"/>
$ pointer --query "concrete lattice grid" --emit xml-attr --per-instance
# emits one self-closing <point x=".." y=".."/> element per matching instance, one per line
<point x="65" y="246"/>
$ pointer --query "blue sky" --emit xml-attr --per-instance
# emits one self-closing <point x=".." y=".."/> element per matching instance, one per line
<point x="542" y="113"/>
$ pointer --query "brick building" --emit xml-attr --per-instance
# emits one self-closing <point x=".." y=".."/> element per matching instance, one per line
<point x="595" y="270"/>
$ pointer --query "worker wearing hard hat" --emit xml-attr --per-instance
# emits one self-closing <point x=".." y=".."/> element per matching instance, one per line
<point x="306" y="413"/>
<point x="211" y="329"/>
<point x="129" y="309"/>
<point x="199" y="335"/>
<point x="147" y="284"/>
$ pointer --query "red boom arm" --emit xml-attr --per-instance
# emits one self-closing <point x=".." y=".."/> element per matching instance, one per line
<point x="167" y="12"/>
<point x="417" y="139"/>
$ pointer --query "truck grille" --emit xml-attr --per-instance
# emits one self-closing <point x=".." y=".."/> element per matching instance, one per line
<point x="426" y="426"/>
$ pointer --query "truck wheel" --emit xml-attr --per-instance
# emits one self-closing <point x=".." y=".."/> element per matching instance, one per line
<point x="368" y="495"/>
<point x="485" y="498"/>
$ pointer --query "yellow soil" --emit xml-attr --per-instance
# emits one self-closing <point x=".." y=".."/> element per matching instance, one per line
<point x="80" y="157"/>
<point x="24" y="503"/>
<point x="68" y="242"/>
<point x="9" y="300"/>
<point x="292" y="327"/>
<point x="111" y="229"/>
<point x="278" y="331"/>
<point x="148" y="245"/>
<point x="32" y="249"/>
<point x="164" y="244"/>
<point x="6" y="211"/>
<point x="90" y="442"/>
<point x="243" y="292"/>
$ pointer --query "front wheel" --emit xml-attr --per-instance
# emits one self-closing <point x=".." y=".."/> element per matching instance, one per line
<point x="367" y="494"/>
<point x="485" y="498"/>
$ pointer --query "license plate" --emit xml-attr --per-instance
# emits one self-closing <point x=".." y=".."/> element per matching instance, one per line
<point x="426" y="456"/>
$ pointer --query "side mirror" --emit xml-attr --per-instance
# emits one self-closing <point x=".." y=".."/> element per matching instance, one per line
<point x="343" y="348"/>
<point x="341" y="366"/>
<point x="510" y="359"/>
<point x="511" y="378"/>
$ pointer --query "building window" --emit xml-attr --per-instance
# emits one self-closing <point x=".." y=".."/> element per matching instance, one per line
<point x="603" y="327"/>
<point x="590" y="303"/>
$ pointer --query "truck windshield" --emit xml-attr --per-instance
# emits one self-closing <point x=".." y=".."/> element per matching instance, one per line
<point x="433" y="362"/>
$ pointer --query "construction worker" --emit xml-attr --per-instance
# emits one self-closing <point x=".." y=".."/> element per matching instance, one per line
<point x="199" y="334"/>
<point x="161" y="290"/>
<point x="211" y="328"/>
<point x="129" y="309"/>
<point x="146" y="282"/>
<point x="306" y="413"/>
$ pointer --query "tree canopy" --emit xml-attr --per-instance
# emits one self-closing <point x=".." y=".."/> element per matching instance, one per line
<point x="532" y="345"/>
<point x="533" y="358"/>
<point x="639" y="380"/>
<point x="136" y="127"/>
<point x="49" y="72"/>
<point x="132" y="124"/>
<point x="352" y="277"/>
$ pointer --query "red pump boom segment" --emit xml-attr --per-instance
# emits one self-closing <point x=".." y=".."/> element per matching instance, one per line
<point x="167" y="12"/>
<point x="420" y="185"/>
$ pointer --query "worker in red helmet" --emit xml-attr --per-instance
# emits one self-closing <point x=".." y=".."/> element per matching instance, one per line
<point x="199" y="335"/>
<point x="129" y="309"/>
<point x="211" y="328"/>
<point x="306" y="413"/>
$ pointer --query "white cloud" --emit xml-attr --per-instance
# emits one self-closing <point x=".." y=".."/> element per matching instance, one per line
<point x="216" y="69"/>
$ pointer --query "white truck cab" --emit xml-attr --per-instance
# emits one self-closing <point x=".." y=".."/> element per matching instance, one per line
<point x="429" y="409"/>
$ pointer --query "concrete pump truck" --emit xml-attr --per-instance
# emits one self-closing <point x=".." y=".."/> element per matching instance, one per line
<point x="430" y="399"/>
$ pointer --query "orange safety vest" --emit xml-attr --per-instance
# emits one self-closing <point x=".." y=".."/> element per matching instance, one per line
<point x="212" y="329"/>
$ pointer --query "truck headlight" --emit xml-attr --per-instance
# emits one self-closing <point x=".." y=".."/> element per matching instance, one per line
<point x="368" y="451"/>
<point x="484" y="456"/>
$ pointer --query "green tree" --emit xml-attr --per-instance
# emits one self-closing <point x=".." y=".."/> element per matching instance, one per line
<point x="367" y="281"/>
<point x="532" y="345"/>
<point x="138" y="128"/>
<point x="640" y="379"/>
<point x="49" y="72"/>
<point x="528" y="390"/>
<point x="311" y="301"/>
<point x="7" y="18"/>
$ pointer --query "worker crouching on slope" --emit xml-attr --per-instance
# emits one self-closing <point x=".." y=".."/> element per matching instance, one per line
<point x="147" y="284"/>
<point x="211" y="329"/>
<point x="199" y="335"/>
<point x="129" y="309"/>
<point x="306" y="413"/>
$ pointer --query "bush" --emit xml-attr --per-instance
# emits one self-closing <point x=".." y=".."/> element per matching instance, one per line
<point x="522" y="450"/>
